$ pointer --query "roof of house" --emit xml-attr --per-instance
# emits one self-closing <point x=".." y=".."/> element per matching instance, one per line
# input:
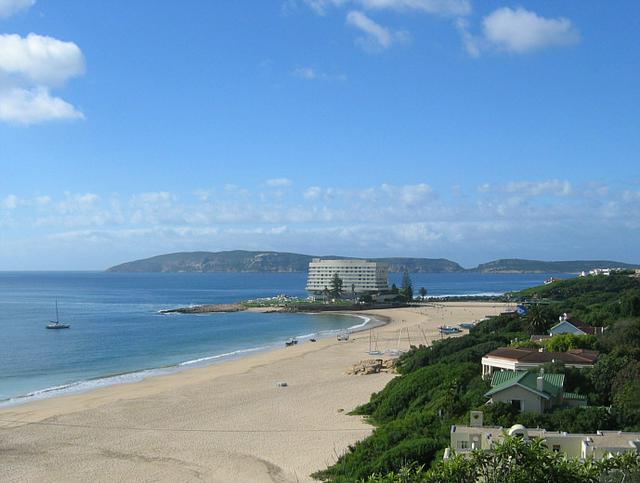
<point x="552" y="383"/>
<point x="574" y="395"/>
<point x="586" y="328"/>
<point x="534" y="356"/>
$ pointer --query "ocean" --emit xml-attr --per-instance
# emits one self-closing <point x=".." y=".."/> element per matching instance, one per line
<point x="118" y="336"/>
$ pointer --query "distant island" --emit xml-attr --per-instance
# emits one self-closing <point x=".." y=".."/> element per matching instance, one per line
<point x="269" y="261"/>
<point x="248" y="261"/>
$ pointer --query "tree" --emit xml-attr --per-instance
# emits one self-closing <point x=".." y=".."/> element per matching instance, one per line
<point x="407" y="286"/>
<point x="631" y="305"/>
<point x="423" y="292"/>
<point x="536" y="319"/>
<point x="336" y="286"/>
<point x="394" y="289"/>
<point x="604" y="374"/>
<point x="565" y="342"/>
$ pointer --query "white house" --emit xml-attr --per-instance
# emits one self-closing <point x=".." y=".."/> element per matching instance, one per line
<point x="574" y="445"/>
<point x="523" y="359"/>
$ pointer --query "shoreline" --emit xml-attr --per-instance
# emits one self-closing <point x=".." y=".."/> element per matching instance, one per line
<point x="132" y="377"/>
<point x="222" y="422"/>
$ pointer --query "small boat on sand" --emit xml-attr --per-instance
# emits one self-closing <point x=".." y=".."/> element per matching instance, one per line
<point x="343" y="336"/>
<point x="57" y="324"/>
<point x="447" y="329"/>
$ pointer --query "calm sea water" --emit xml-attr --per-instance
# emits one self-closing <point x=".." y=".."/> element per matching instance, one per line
<point x="117" y="335"/>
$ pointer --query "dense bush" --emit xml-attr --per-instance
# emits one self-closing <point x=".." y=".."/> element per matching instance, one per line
<point x="564" y="342"/>
<point x="439" y="384"/>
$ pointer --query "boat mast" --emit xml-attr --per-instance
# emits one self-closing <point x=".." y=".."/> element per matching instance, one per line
<point x="57" y="318"/>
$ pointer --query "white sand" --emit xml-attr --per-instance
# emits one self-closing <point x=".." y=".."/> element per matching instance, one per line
<point x="226" y="423"/>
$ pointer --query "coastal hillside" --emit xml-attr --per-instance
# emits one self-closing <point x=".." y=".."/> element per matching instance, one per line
<point x="253" y="261"/>
<point x="518" y="265"/>
<point x="267" y="261"/>
<point x="439" y="384"/>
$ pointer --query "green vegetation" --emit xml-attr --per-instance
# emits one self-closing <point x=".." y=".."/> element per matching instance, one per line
<point x="569" y="266"/>
<point x="439" y="384"/>
<point x="335" y="289"/>
<point x="407" y="287"/>
<point x="565" y="342"/>
<point x="515" y="460"/>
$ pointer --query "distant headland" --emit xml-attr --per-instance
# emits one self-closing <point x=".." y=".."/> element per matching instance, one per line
<point x="271" y="261"/>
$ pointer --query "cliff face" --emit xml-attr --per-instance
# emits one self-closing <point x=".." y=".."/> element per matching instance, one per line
<point x="246" y="261"/>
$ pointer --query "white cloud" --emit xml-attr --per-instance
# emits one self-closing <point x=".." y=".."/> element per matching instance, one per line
<point x="312" y="74"/>
<point x="376" y="36"/>
<point x="320" y="6"/>
<point x="390" y="219"/>
<point x="39" y="59"/>
<point x="30" y="67"/>
<point x="313" y="193"/>
<point x="523" y="31"/>
<point x="439" y="7"/>
<point x="470" y="42"/>
<point x="629" y="195"/>
<point x="307" y="73"/>
<point x="154" y="197"/>
<point x="9" y="7"/>
<point x="443" y="7"/>
<point x="32" y="106"/>
<point x="537" y="188"/>
<point x="409" y="195"/>
<point x="278" y="182"/>
<point x="10" y="202"/>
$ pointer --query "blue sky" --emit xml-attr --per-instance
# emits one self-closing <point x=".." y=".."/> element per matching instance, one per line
<point x="437" y="128"/>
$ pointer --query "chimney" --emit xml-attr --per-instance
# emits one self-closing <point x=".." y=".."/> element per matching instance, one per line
<point x="475" y="419"/>
<point x="540" y="381"/>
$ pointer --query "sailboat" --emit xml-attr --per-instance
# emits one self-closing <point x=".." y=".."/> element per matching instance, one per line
<point x="57" y="324"/>
<point x="373" y="345"/>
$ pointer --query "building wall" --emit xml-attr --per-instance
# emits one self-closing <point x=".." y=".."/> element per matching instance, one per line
<point x="364" y="276"/>
<point x="573" y="445"/>
<point x="529" y="401"/>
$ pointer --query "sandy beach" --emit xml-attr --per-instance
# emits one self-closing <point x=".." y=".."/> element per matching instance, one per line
<point x="229" y="422"/>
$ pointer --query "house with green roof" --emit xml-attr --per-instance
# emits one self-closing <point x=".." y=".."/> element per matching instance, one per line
<point x="532" y="392"/>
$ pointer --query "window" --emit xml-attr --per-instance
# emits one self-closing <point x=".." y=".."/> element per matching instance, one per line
<point x="556" y="448"/>
<point x="516" y="404"/>
<point x="463" y="444"/>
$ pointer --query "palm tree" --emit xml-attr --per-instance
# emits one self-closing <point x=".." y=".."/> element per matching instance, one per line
<point x="537" y="322"/>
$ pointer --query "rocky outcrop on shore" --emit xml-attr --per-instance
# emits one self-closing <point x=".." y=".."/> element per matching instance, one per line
<point x="372" y="366"/>
<point x="205" y="309"/>
<point x="212" y="308"/>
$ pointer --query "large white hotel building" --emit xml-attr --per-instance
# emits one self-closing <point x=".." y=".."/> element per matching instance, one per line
<point x="359" y="276"/>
